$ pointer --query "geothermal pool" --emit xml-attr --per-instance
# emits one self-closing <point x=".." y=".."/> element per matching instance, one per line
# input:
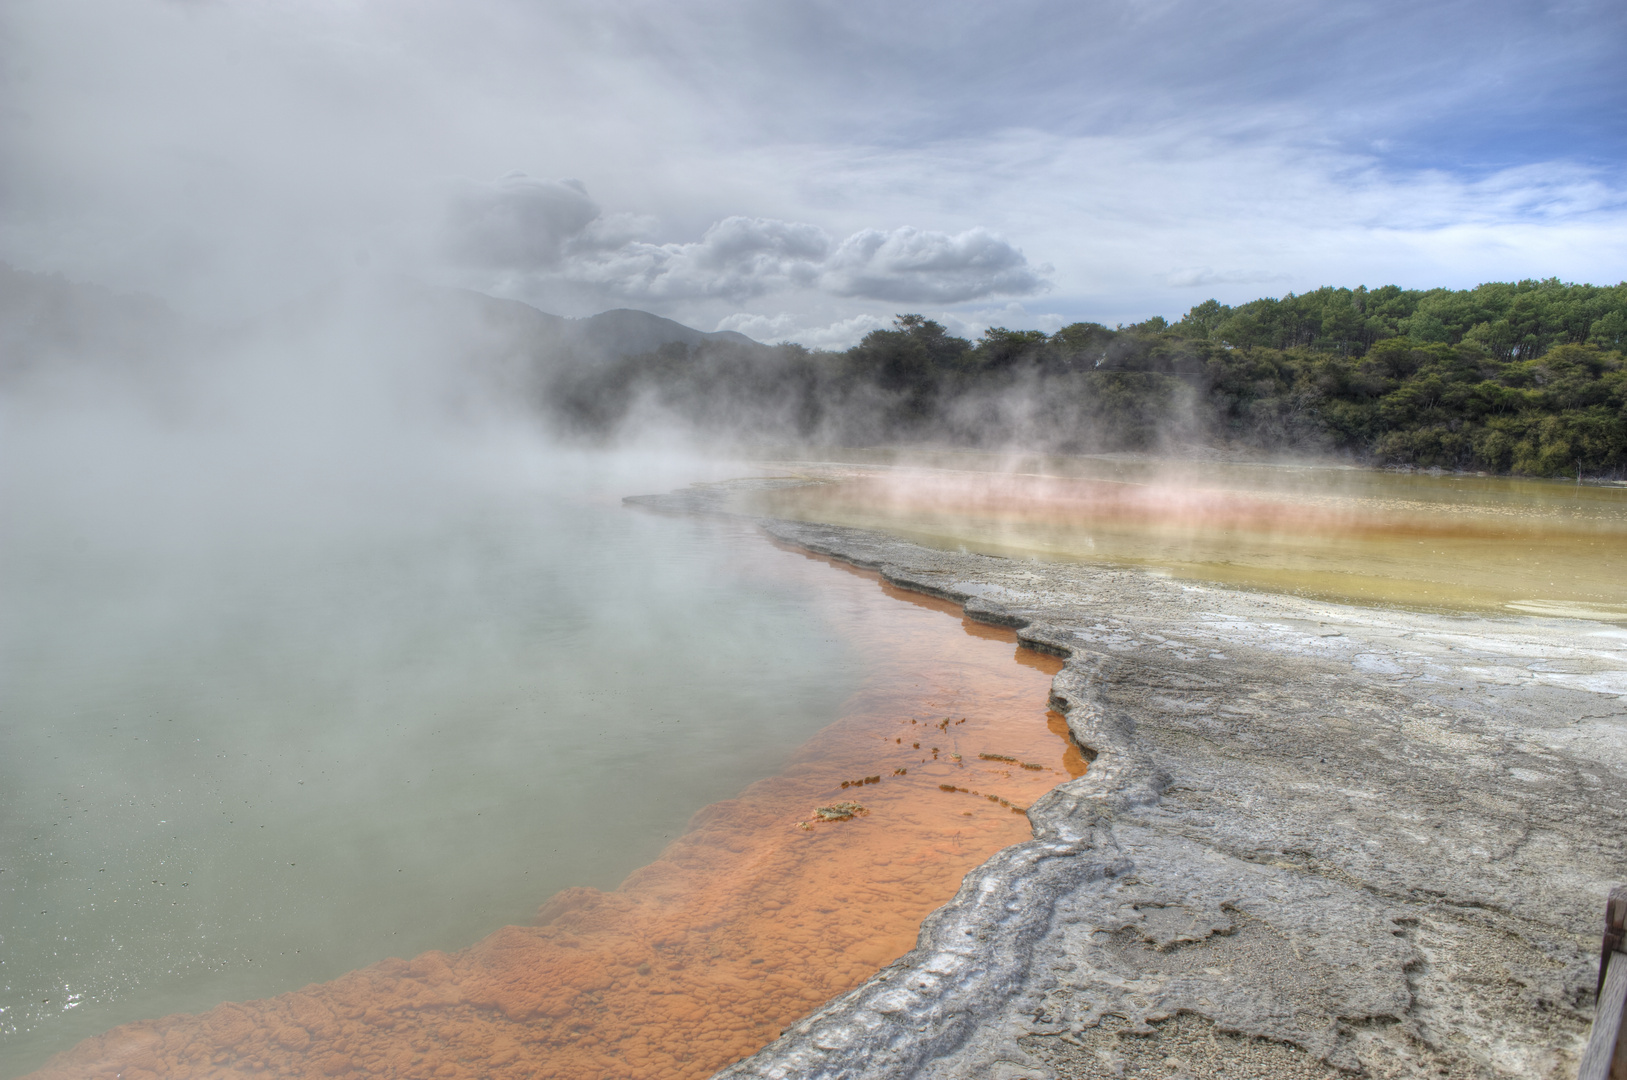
<point x="1433" y="542"/>
<point x="232" y="771"/>
<point x="443" y="757"/>
<point x="232" y="764"/>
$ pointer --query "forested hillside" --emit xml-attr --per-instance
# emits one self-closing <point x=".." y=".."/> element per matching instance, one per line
<point x="1525" y="378"/>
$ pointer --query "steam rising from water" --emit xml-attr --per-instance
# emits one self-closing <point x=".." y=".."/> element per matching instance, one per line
<point x="310" y="627"/>
<point x="315" y="650"/>
<point x="1418" y="541"/>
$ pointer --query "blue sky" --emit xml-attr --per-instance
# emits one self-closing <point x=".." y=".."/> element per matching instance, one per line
<point x="805" y="170"/>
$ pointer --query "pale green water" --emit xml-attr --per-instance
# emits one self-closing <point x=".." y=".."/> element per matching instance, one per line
<point x="240" y="753"/>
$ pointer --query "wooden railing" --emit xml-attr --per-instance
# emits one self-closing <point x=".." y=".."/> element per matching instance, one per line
<point x="1606" y="1055"/>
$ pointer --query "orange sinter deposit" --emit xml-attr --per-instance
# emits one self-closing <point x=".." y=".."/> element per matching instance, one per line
<point x="761" y="911"/>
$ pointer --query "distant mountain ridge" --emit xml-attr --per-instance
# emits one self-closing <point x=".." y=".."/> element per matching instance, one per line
<point x="615" y="333"/>
<point x="629" y="332"/>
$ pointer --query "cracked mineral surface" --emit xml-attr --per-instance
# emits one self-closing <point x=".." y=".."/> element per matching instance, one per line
<point x="1314" y="840"/>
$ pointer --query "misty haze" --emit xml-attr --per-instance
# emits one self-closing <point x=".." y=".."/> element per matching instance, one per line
<point x="771" y="540"/>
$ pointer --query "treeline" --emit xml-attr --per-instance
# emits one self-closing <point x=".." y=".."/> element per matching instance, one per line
<point x="1519" y="321"/>
<point x="1524" y="378"/>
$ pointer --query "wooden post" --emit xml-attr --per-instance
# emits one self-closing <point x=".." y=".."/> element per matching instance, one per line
<point x="1615" y="929"/>
<point x="1606" y="1055"/>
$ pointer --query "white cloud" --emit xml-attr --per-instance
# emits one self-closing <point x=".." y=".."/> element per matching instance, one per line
<point x="551" y="229"/>
<point x="911" y="266"/>
<point x="1135" y="222"/>
<point x="736" y="259"/>
<point x="1196" y="276"/>
<point x="761" y="327"/>
<point x="1012" y="316"/>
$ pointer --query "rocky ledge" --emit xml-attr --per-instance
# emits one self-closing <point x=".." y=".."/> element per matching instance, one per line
<point x="1315" y="840"/>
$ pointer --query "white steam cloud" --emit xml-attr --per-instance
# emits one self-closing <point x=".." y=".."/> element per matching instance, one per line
<point x="518" y="223"/>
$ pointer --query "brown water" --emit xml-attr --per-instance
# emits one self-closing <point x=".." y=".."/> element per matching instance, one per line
<point x="1413" y="540"/>
<point x="761" y="911"/>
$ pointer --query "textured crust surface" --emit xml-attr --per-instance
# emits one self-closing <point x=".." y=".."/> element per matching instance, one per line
<point x="1315" y="840"/>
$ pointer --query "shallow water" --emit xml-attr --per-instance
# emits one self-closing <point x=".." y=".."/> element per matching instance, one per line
<point x="1414" y="540"/>
<point x="759" y="912"/>
<point x="237" y="760"/>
